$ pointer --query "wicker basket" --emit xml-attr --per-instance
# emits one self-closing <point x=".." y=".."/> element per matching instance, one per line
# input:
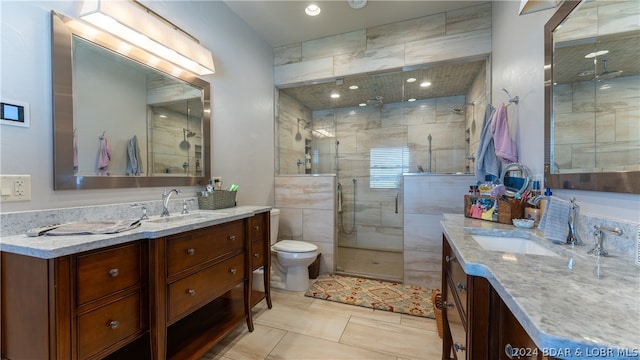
<point x="218" y="199"/>
<point x="436" y="300"/>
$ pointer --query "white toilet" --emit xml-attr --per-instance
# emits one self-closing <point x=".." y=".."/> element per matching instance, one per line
<point x="290" y="259"/>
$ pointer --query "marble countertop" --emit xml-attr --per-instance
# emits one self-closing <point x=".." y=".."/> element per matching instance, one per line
<point x="50" y="246"/>
<point x="572" y="306"/>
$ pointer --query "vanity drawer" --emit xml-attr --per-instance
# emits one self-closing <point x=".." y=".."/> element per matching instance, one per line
<point x="456" y="326"/>
<point x="105" y="272"/>
<point x="258" y="227"/>
<point x="190" y="249"/>
<point x="107" y="325"/>
<point x="190" y="293"/>
<point x="258" y="254"/>
<point x="458" y="278"/>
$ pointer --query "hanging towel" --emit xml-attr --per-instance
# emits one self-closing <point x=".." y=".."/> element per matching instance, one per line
<point x="555" y="220"/>
<point x="104" y="156"/>
<point x="506" y="149"/>
<point x="134" y="165"/>
<point x="95" y="227"/>
<point x="487" y="162"/>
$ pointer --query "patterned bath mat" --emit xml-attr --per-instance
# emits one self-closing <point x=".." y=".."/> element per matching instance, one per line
<point x="376" y="294"/>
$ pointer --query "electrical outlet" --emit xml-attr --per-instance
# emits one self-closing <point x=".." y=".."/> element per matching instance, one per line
<point x="15" y="188"/>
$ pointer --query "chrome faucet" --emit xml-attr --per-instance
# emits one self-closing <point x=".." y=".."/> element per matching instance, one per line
<point x="598" y="234"/>
<point x="165" y="201"/>
<point x="573" y="237"/>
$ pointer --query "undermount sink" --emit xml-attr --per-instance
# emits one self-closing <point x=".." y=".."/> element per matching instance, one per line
<point x="184" y="217"/>
<point x="509" y="244"/>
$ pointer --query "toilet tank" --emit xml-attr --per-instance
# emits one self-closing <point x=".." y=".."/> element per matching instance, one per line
<point x="275" y="221"/>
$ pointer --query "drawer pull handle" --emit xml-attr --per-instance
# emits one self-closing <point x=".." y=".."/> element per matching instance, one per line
<point x="233" y="270"/>
<point x="256" y="227"/>
<point x="459" y="347"/>
<point x="256" y="255"/>
<point x="447" y="304"/>
<point x="461" y="287"/>
<point x="232" y="237"/>
<point x="191" y="292"/>
<point x="449" y="259"/>
<point x="114" y="324"/>
<point x="114" y="272"/>
<point x="190" y="251"/>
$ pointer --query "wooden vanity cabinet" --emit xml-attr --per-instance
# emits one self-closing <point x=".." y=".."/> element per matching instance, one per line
<point x="81" y="306"/>
<point x="259" y="230"/>
<point x="199" y="289"/>
<point x="476" y="322"/>
<point x="466" y="311"/>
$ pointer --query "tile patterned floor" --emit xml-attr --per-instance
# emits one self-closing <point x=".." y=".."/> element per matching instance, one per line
<point x="301" y="328"/>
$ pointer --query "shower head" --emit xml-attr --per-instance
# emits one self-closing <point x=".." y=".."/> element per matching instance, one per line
<point x="606" y="73"/>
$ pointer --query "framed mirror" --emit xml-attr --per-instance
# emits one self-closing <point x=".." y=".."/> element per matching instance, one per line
<point x="123" y="118"/>
<point x="592" y="97"/>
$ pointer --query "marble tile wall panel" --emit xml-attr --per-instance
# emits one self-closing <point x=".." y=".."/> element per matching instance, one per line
<point x="435" y="194"/>
<point x="448" y="47"/>
<point x="305" y="192"/>
<point x="307" y="205"/>
<point x="405" y="31"/>
<point x="287" y="54"/>
<point x="579" y="27"/>
<point x="574" y="127"/>
<point x="303" y="71"/>
<point x="389" y="57"/>
<point x="617" y="17"/>
<point x="616" y="155"/>
<point x="334" y="45"/>
<point x="469" y="19"/>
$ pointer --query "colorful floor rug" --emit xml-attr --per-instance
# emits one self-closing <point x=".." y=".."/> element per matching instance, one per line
<point x="376" y="294"/>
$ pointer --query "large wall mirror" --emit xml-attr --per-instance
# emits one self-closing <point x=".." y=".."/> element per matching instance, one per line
<point x="592" y="96"/>
<point x="123" y="118"/>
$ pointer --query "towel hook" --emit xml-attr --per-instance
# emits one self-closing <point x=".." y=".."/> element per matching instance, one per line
<point x="101" y="137"/>
<point x="512" y="99"/>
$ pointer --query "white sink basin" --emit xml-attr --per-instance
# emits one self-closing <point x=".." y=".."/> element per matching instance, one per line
<point x="518" y="245"/>
<point x="183" y="218"/>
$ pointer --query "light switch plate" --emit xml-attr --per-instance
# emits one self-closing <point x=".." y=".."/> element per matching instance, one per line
<point x="15" y="188"/>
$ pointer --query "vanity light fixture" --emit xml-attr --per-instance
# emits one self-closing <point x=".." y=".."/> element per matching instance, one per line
<point x="134" y="23"/>
<point x="312" y="10"/>
<point x="425" y="84"/>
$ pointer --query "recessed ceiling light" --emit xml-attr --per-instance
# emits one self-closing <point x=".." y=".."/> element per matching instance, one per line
<point x="596" y="53"/>
<point x="425" y="84"/>
<point x="353" y="87"/>
<point x="411" y="100"/>
<point x="410" y="80"/>
<point x="357" y="4"/>
<point x="335" y="95"/>
<point x="362" y="104"/>
<point x="312" y="10"/>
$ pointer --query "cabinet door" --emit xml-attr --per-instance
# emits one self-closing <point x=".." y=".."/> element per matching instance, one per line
<point x="456" y="325"/>
<point x="513" y="340"/>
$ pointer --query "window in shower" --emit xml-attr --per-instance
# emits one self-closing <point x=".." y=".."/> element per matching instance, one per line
<point x="387" y="165"/>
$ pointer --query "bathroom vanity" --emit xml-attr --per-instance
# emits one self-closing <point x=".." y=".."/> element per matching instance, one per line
<point x="168" y="289"/>
<point x="545" y="301"/>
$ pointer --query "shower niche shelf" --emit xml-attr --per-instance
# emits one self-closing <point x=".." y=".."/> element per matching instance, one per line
<point x="307" y="156"/>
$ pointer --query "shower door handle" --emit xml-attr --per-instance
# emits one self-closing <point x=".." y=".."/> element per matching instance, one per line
<point x="396" y="203"/>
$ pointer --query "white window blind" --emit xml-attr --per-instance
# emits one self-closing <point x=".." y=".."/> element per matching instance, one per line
<point x="386" y="166"/>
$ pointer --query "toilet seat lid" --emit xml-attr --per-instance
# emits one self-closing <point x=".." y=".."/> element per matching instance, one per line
<point x="294" y="246"/>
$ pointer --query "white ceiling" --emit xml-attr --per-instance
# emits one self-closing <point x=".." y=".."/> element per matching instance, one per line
<point x="284" y="22"/>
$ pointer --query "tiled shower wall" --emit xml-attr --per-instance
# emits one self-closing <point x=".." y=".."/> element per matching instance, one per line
<point x="613" y="128"/>
<point x="171" y="150"/>
<point x="307" y="213"/>
<point x="427" y="197"/>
